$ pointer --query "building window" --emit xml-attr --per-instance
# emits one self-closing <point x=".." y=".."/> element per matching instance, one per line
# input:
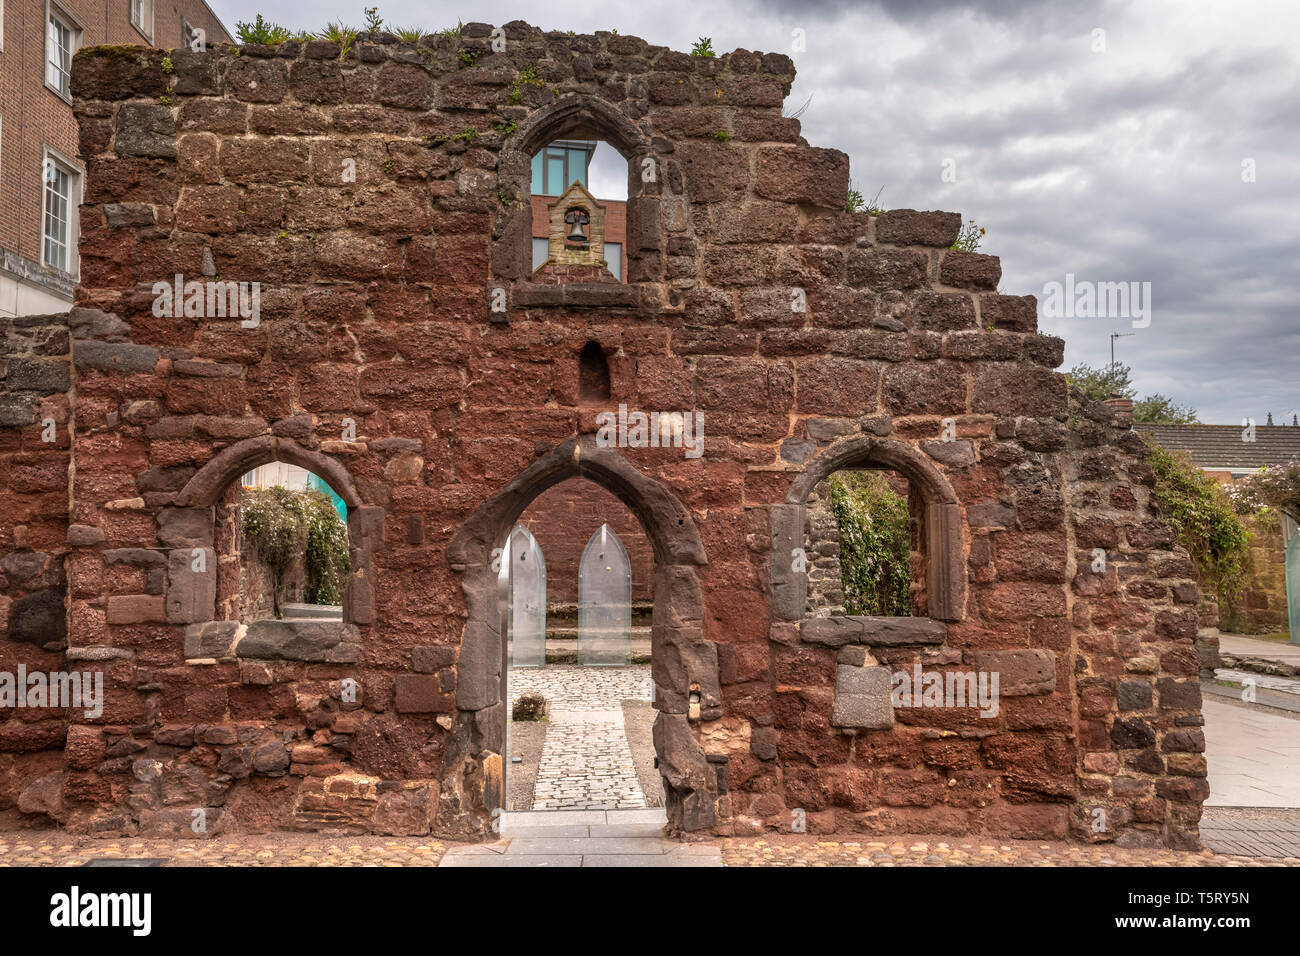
<point x="559" y="165"/>
<point x="614" y="259"/>
<point x="62" y="186"/>
<point x="60" y="43"/>
<point x="142" y="16"/>
<point x="541" y="252"/>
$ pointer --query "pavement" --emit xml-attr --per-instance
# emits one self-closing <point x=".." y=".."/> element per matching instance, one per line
<point x="1253" y="754"/>
<point x="542" y="838"/>
<point x="1243" y="645"/>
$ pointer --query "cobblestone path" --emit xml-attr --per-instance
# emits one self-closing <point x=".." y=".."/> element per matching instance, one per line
<point x="586" y="762"/>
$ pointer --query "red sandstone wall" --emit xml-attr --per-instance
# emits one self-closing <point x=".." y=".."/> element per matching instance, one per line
<point x="34" y="473"/>
<point x="564" y="518"/>
<point x="375" y="308"/>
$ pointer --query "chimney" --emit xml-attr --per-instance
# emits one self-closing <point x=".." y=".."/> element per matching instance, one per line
<point x="1122" y="408"/>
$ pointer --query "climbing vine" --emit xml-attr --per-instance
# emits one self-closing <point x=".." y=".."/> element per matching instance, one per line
<point x="874" y="544"/>
<point x="1202" y="516"/>
<point x="282" y="525"/>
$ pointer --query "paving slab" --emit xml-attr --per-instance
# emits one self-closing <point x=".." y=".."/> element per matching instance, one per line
<point x="1243" y="645"/>
<point x="584" y="846"/>
<point x="550" y="818"/>
<point x="1253" y="755"/>
<point x="666" y="859"/>
<point x="452" y="858"/>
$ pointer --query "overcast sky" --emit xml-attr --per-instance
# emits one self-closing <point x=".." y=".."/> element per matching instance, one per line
<point x="1115" y="156"/>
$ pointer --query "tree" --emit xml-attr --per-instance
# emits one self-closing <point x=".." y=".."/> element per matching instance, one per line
<point x="1099" y="383"/>
<point x="1157" y="409"/>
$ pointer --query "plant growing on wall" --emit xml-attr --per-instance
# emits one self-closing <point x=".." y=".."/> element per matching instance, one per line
<point x="1203" y="519"/>
<point x="261" y="31"/>
<point x="874" y="544"/>
<point x="282" y="525"/>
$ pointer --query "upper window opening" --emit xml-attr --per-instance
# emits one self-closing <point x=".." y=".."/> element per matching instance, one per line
<point x="579" y="211"/>
<point x="61" y="197"/>
<point x="60" y="43"/>
<point x="142" y="16"/>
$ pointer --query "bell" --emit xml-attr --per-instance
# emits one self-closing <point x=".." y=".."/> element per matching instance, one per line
<point x="577" y="220"/>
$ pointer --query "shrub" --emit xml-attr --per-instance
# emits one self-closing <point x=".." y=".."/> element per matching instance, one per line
<point x="1202" y="516"/>
<point x="529" y="707"/>
<point x="282" y="525"/>
<point x="1276" y="487"/>
<point x="874" y="544"/>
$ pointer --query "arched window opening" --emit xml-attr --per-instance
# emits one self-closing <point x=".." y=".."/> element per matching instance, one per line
<point x="282" y="547"/>
<point x="593" y="375"/>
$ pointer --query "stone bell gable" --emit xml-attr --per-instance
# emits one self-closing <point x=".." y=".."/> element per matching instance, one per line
<point x="576" y="239"/>
<point x="576" y="203"/>
<point x="404" y="350"/>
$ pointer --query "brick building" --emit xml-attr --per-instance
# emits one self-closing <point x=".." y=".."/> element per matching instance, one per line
<point x="40" y="173"/>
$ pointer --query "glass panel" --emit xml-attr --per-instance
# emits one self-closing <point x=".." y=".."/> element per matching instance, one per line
<point x="538" y="188"/>
<point x="1292" y="573"/>
<point x="526" y="623"/>
<point x="614" y="258"/>
<point x="577" y="166"/>
<point x="56" y="215"/>
<point x="555" y="183"/>
<point x="604" y="602"/>
<point x="541" y="250"/>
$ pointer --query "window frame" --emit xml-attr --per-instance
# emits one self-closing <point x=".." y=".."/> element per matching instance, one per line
<point x="146" y="13"/>
<point x="54" y="12"/>
<point x="75" y="175"/>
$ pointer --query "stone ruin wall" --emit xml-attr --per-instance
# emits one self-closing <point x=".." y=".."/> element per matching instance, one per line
<point x="376" y="305"/>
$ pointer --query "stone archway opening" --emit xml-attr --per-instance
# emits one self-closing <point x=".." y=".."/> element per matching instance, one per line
<point x="581" y="715"/>
<point x="683" y="665"/>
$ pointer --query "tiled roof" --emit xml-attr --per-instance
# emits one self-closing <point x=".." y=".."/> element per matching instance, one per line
<point x="1222" y="447"/>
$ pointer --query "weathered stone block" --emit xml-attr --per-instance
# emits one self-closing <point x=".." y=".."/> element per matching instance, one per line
<point x="191" y="585"/>
<point x="862" y="698"/>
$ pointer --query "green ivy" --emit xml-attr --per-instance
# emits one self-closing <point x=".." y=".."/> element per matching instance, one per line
<point x="874" y="544"/>
<point x="282" y="525"/>
<point x="1202" y="516"/>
